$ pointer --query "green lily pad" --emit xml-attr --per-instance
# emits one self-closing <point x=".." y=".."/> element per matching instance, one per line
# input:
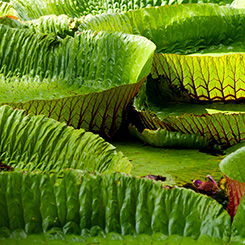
<point x="108" y="206"/>
<point x="178" y="165"/>
<point x="113" y="238"/>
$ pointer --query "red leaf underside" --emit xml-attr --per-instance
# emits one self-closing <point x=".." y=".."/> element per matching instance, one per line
<point x="97" y="112"/>
<point x="236" y="192"/>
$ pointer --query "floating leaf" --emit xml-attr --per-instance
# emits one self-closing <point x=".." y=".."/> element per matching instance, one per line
<point x="203" y="78"/>
<point x="165" y="138"/>
<point x="59" y="25"/>
<point x="212" y="27"/>
<point x="6" y="9"/>
<point x="33" y="9"/>
<point x="39" y="143"/>
<point x="86" y="81"/>
<point x="233" y="169"/>
<point x="202" y="65"/>
<point x="91" y="205"/>
<point x="238" y="232"/>
<point x="11" y="21"/>
<point x="179" y="166"/>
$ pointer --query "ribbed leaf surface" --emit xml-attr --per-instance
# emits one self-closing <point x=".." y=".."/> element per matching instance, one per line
<point x="97" y="112"/>
<point x="74" y="60"/>
<point x="11" y="21"/>
<point x="238" y="231"/>
<point x="6" y="9"/>
<point x="96" y="73"/>
<point x="224" y="129"/>
<point x="236" y="192"/>
<point x="205" y="78"/>
<point x="56" y="236"/>
<point x="95" y="204"/>
<point x="36" y="142"/>
<point x="30" y="9"/>
<point x="169" y="26"/>
<point x="213" y="73"/>
<point x="59" y="25"/>
<point x="165" y="138"/>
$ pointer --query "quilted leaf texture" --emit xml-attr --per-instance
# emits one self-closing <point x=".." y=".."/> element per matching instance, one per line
<point x="205" y="65"/>
<point x="59" y="25"/>
<point x="238" y="231"/>
<point x="30" y="9"/>
<point x="216" y="31"/>
<point x="6" y="9"/>
<point x="213" y="72"/>
<point x="36" y="142"/>
<point x="224" y="129"/>
<point x="97" y="204"/>
<point x="86" y="81"/>
<point x="169" y="26"/>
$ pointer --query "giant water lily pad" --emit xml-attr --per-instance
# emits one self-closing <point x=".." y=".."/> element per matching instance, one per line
<point x="60" y="25"/>
<point x="179" y="166"/>
<point x="205" y="65"/>
<point x="39" y="143"/>
<point x="212" y="27"/>
<point x="93" y="205"/>
<point x="238" y="231"/>
<point x="33" y="9"/>
<point x="6" y="9"/>
<point x="219" y="122"/>
<point x="86" y="81"/>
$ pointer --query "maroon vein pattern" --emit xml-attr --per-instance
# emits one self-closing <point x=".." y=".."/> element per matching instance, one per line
<point x="225" y="129"/>
<point x="98" y="112"/>
<point x="206" y="78"/>
<point x="236" y="192"/>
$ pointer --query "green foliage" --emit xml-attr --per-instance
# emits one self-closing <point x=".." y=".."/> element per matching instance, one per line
<point x="165" y="138"/>
<point x="233" y="165"/>
<point x="6" y="9"/>
<point x="213" y="73"/>
<point x="178" y="165"/>
<point x="77" y="80"/>
<point x="33" y="9"/>
<point x="204" y="78"/>
<point x="158" y="106"/>
<point x="182" y="29"/>
<point x="233" y="169"/>
<point x="95" y="205"/>
<point x="87" y="79"/>
<point x="39" y="143"/>
<point x="11" y="22"/>
<point x="61" y="26"/>
<point x="238" y="231"/>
